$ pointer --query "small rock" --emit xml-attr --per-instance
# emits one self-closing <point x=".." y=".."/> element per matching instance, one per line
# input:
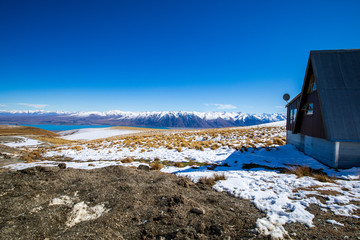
<point x="143" y="167"/>
<point x="197" y="210"/>
<point x="231" y="209"/>
<point x="200" y="228"/>
<point x="62" y="165"/>
<point x="216" y="230"/>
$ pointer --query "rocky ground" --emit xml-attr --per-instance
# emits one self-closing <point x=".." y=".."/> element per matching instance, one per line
<point x="121" y="203"/>
<point x="126" y="203"/>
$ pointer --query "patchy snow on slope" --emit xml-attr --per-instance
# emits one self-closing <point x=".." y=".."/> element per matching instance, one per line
<point x="93" y="133"/>
<point x="23" y="142"/>
<point x="283" y="197"/>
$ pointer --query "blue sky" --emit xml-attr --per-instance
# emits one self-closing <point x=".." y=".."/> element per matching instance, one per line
<point x="164" y="55"/>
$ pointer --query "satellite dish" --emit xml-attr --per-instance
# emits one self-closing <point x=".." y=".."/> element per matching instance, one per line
<point x="286" y="97"/>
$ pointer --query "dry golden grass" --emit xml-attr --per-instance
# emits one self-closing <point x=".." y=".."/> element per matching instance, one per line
<point x="219" y="176"/>
<point x="323" y="178"/>
<point x="179" y="164"/>
<point x="212" y="180"/>
<point x="32" y="156"/>
<point x="6" y="130"/>
<point x="302" y="171"/>
<point x="127" y="160"/>
<point x="207" y="181"/>
<point x="156" y="165"/>
<point x="54" y="140"/>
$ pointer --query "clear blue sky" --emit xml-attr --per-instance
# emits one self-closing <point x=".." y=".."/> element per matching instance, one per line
<point x="166" y="55"/>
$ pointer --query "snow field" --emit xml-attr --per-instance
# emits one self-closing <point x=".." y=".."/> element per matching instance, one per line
<point x="93" y="133"/>
<point x="23" y="142"/>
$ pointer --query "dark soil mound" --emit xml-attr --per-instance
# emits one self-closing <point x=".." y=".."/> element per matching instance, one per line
<point x="140" y="205"/>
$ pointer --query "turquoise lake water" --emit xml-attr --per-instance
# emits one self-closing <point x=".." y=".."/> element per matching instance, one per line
<point x="57" y="128"/>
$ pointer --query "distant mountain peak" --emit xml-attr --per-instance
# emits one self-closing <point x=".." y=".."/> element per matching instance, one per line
<point x="180" y="119"/>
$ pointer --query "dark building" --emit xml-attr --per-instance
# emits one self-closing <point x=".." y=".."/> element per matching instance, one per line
<point x="323" y="121"/>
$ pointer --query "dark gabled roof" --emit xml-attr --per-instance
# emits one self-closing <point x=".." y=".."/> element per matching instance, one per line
<point x="337" y="74"/>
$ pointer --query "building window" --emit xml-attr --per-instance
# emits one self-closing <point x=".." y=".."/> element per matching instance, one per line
<point x="292" y="115"/>
<point x="308" y="109"/>
<point x="312" y="84"/>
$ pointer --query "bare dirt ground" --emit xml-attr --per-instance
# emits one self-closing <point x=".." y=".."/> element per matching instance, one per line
<point x="139" y="204"/>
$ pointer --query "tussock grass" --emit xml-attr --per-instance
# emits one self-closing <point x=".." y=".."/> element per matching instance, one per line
<point x="219" y="176"/>
<point x="32" y="156"/>
<point x="156" y="165"/>
<point x="207" y="181"/>
<point x="323" y="178"/>
<point x="213" y="179"/>
<point x="179" y="164"/>
<point x="302" y="171"/>
<point x="127" y="160"/>
<point x="54" y="140"/>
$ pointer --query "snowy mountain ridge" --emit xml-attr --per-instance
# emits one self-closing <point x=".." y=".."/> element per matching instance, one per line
<point x="153" y="119"/>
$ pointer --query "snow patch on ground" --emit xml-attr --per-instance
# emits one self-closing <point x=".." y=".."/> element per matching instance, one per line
<point x="82" y="212"/>
<point x="23" y="142"/>
<point x="334" y="222"/>
<point x="273" y="124"/>
<point x="93" y="133"/>
<point x="63" y="200"/>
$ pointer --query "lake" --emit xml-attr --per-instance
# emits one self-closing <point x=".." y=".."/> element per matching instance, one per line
<point x="57" y="128"/>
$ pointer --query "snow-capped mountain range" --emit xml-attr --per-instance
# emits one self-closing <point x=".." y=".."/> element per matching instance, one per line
<point x="180" y="119"/>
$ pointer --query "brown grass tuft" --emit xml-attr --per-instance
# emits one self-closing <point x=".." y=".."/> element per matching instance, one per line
<point x="302" y="171"/>
<point x="211" y="180"/>
<point x="207" y="181"/>
<point x="127" y="160"/>
<point x="179" y="164"/>
<point x="156" y="165"/>
<point x="219" y="176"/>
<point x="54" y="140"/>
<point x="323" y="178"/>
